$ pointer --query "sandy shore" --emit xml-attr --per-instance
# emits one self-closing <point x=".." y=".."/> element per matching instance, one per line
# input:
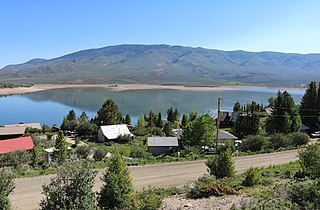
<point x="121" y="87"/>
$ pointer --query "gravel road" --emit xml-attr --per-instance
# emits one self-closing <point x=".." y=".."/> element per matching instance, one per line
<point x="27" y="193"/>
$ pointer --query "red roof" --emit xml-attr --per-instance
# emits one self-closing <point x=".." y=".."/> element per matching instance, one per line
<point x="23" y="143"/>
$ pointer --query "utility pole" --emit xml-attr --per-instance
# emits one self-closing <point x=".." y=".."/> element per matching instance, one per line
<point x="218" y="124"/>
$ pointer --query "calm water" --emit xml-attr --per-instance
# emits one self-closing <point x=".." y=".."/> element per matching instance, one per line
<point x="50" y="106"/>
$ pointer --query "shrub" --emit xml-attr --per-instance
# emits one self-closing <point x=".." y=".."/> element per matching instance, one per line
<point x="15" y="158"/>
<point x="189" y="151"/>
<point x="117" y="191"/>
<point x="139" y="153"/>
<point x="221" y="165"/>
<point x="207" y="186"/>
<point x="310" y="160"/>
<point x="140" y="131"/>
<point x="252" y="177"/>
<point x="99" y="154"/>
<point x="71" y="188"/>
<point x="6" y="187"/>
<point x="254" y="143"/>
<point x="299" y="138"/>
<point x="148" y="200"/>
<point x="306" y="194"/>
<point x="83" y="151"/>
<point x="278" y="140"/>
<point x="272" y="203"/>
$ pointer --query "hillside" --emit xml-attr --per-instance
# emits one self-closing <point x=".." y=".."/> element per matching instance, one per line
<point x="164" y="64"/>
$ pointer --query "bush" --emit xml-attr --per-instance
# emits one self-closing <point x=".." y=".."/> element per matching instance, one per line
<point x="207" y="186"/>
<point x="254" y="143"/>
<point x="139" y="153"/>
<point x="71" y="188"/>
<point x="140" y="131"/>
<point x="310" y="160"/>
<point x="6" y="187"/>
<point x="306" y="194"/>
<point x="252" y="177"/>
<point x="280" y="140"/>
<point x="83" y="151"/>
<point x="15" y="158"/>
<point x="148" y="200"/>
<point x="99" y="154"/>
<point x="189" y="151"/>
<point x="272" y="203"/>
<point x="299" y="138"/>
<point x="221" y="165"/>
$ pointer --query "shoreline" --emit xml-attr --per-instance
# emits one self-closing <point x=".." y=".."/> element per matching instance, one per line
<point x="123" y="87"/>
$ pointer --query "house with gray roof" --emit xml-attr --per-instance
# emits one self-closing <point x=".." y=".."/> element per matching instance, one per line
<point x="158" y="145"/>
<point x="227" y="138"/>
<point x="11" y="132"/>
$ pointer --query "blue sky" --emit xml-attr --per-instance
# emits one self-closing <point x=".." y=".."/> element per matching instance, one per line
<point x="48" y="29"/>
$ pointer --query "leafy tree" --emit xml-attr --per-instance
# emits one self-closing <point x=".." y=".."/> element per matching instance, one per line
<point x="159" y="122"/>
<point x="284" y="117"/>
<point x="71" y="116"/>
<point x="199" y="132"/>
<point x="141" y="121"/>
<point x="310" y="160"/>
<point x="117" y="191"/>
<point x="254" y="143"/>
<point x="127" y="119"/>
<point x="61" y="147"/>
<point x="193" y="116"/>
<point x="221" y="165"/>
<point x="170" y="115"/>
<point x="184" y="120"/>
<point x="310" y="108"/>
<point x="71" y="188"/>
<point x="6" y="187"/>
<point x="167" y="129"/>
<point x="108" y="114"/>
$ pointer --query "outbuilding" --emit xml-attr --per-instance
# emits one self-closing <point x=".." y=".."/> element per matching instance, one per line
<point x="112" y="132"/>
<point x="9" y="145"/>
<point x="158" y="145"/>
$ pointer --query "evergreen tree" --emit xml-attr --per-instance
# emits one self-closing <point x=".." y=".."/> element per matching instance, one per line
<point x="176" y="115"/>
<point x="151" y="122"/>
<point x="70" y="189"/>
<point x="108" y="114"/>
<point x="160" y="122"/>
<point x="6" y="187"/>
<point x="117" y="191"/>
<point x="71" y="115"/>
<point x="128" y="119"/>
<point x="199" y="132"/>
<point x="167" y="129"/>
<point x="61" y="147"/>
<point x="284" y="117"/>
<point x="170" y="115"/>
<point x="221" y="165"/>
<point x="83" y="117"/>
<point x="184" y="121"/>
<point x="141" y="121"/>
<point x="237" y="107"/>
<point x="193" y="116"/>
<point x="310" y="108"/>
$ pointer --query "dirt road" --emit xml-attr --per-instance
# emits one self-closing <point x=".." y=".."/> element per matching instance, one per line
<point x="27" y="194"/>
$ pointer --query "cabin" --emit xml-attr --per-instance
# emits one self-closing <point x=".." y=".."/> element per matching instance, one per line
<point x="25" y="125"/>
<point x="226" y="119"/>
<point x="112" y="132"/>
<point x="227" y="138"/>
<point x="9" y="145"/>
<point x="11" y="132"/>
<point x="158" y="145"/>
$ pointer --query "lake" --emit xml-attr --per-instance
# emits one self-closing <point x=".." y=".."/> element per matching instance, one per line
<point x="50" y="106"/>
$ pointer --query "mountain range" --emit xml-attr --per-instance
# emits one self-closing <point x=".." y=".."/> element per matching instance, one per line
<point x="165" y="64"/>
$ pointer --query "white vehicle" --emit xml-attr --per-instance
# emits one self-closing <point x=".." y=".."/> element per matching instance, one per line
<point x="315" y="134"/>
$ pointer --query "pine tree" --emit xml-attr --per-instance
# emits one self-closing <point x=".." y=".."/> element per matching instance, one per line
<point x="151" y="123"/>
<point x="237" y="107"/>
<point x="141" y="121"/>
<point x="117" y="191"/>
<point x="61" y="147"/>
<point x="72" y="115"/>
<point x="160" y="122"/>
<point x="310" y="108"/>
<point x="221" y="165"/>
<point x="108" y="114"/>
<point x="127" y="119"/>
<point x="176" y="115"/>
<point x="184" y="121"/>
<point x="170" y="116"/>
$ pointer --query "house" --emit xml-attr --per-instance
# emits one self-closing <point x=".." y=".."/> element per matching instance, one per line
<point x="11" y="132"/>
<point x="226" y="119"/>
<point x="9" y="145"/>
<point x="227" y="138"/>
<point x="25" y="125"/>
<point x="162" y="145"/>
<point x="112" y="132"/>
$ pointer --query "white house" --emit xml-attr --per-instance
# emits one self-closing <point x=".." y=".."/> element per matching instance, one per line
<point x="112" y="132"/>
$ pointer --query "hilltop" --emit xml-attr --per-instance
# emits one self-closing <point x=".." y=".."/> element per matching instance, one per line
<point x="164" y="64"/>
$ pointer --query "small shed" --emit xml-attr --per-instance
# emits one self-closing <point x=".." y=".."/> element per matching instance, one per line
<point x="227" y="138"/>
<point x="112" y="132"/>
<point x="158" y="145"/>
<point x="9" y="145"/>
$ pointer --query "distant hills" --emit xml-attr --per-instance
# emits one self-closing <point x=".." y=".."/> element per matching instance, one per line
<point x="164" y="64"/>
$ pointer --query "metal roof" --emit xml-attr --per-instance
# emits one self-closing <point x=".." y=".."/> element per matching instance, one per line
<point x="158" y="141"/>
<point x="23" y="143"/>
<point x="12" y="130"/>
<point x="113" y="131"/>
<point x="26" y="125"/>
<point x="226" y="135"/>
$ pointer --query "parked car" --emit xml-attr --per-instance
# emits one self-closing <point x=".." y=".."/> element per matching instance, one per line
<point x="315" y="134"/>
<point x="207" y="149"/>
